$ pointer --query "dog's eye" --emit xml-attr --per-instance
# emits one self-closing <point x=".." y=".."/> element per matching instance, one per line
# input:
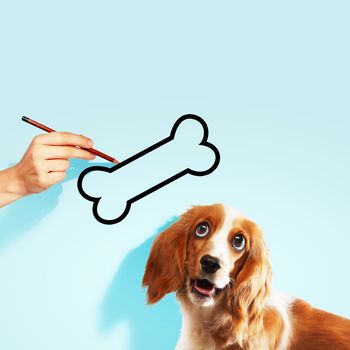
<point x="238" y="242"/>
<point x="202" y="229"/>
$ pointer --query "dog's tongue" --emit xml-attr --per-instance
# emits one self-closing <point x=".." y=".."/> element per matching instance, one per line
<point x="204" y="287"/>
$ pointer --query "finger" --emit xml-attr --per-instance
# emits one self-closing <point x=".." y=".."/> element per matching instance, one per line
<point x="65" y="152"/>
<point x="63" y="138"/>
<point x="56" y="165"/>
<point x="55" y="177"/>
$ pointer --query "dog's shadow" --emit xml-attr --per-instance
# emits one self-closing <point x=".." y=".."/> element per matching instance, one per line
<point x="151" y="326"/>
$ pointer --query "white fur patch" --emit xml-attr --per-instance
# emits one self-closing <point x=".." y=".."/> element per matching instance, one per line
<point x="282" y="303"/>
<point x="220" y="247"/>
<point x="193" y="336"/>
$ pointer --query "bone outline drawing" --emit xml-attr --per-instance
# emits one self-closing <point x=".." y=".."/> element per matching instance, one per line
<point x="159" y="185"/>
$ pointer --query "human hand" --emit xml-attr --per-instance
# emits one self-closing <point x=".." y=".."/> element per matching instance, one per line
<point x="47" y="159"/>
<point x="44" y="164"/>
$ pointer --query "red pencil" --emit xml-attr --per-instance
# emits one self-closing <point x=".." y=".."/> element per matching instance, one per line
<point x="47" y="129"/>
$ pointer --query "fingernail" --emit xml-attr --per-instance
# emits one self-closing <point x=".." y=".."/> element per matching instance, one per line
<point x="90" y="143"/>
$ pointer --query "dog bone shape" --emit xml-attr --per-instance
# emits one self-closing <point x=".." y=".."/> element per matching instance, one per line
<point x="187" y="143"/>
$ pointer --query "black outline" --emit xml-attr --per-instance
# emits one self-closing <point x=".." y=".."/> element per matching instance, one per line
<point x="204" y="142"/>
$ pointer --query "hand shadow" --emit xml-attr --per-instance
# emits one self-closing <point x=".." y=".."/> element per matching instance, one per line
<point x="24" y="214"/>
<point x="151" y="327"/>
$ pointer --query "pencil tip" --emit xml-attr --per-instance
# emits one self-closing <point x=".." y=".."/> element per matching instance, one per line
<point x="115" y="161"/>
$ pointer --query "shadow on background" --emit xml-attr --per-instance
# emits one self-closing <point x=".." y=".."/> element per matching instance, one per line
<point x="151" y="326"/>
<point x="22" y="215"/>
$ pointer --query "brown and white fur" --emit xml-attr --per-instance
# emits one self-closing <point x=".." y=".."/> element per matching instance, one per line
<point x="226" y="299"/>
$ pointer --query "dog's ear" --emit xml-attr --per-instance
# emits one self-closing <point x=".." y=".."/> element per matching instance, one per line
<point x="253" y="281"/>
<point x="164" y="271"/>
<point x="247" y="297"/>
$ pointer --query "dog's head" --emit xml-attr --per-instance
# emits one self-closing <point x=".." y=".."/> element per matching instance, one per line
<point x="211" y="255"/>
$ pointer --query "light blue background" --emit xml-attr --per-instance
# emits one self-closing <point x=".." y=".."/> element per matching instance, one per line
<point x="271" y="78"/>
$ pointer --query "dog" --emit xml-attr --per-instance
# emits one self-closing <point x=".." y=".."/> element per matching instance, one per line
<point x="216" y="261"/>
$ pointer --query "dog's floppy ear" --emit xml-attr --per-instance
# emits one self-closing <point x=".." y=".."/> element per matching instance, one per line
<point x="253" y="281"/>
<point x="166" y="263"/>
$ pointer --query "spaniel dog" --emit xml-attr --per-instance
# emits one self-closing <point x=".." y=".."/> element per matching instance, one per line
<point x="217" y="262"/>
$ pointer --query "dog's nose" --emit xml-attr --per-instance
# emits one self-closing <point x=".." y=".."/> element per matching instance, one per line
<point x="210" y="264"/>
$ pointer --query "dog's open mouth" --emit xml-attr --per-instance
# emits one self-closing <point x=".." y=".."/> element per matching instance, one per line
<point x="203" y="288"/>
